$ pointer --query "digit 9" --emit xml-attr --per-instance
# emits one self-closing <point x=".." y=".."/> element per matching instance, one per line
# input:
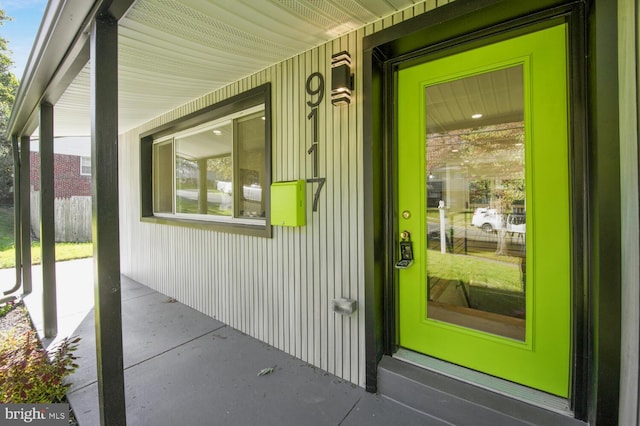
<point x="317" y="91"/>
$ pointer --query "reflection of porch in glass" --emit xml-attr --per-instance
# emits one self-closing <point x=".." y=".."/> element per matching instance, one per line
<point x="475" y="163"/>
<point x="468" y="168"/>
<point x="501" y="325"/>
<point x="203" y="185"/>
<point x="475" y="133"/>
<point x="479" y="293"/>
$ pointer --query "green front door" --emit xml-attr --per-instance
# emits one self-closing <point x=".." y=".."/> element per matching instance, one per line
<point x="483" y="195"/>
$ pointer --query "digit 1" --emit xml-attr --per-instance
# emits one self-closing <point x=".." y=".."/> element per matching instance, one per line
<point x="313" y="115"/>
<point x="314" y="150"/>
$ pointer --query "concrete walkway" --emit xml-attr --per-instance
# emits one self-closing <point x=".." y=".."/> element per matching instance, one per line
<point x="74" y="294"/>
<point x="184" y="368"/>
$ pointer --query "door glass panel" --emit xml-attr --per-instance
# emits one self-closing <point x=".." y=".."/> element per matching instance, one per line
<point x="476" y="215"/>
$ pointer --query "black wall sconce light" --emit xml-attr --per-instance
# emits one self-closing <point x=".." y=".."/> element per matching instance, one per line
<point x="341" y="79"/>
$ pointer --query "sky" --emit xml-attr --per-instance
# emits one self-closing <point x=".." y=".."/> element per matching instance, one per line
<point x="21" y="31"/>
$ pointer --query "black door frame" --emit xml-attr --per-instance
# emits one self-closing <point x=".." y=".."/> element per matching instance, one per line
<point x="593" y="127"/>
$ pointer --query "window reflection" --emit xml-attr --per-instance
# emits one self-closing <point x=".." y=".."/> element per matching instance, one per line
<point x="476" y="165"/>
<point x="216" y="170"/>
<point x="204" y="171"/>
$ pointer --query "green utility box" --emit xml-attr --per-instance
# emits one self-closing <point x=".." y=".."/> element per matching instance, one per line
<point x="288" y="203"/>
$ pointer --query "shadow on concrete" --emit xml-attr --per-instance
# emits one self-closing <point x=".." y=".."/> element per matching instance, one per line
<point x="185" y="368"/>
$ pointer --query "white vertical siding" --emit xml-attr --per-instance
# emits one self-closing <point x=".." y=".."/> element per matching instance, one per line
<point x="629" y="82"/>
<point x="278" y="290"/>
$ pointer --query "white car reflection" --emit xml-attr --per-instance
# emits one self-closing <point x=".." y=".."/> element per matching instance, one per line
<point x="490" y="220"/>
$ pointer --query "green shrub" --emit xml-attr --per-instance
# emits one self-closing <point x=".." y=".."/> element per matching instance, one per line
<point x="6" y="308"/>
<point x="29" y="373"/>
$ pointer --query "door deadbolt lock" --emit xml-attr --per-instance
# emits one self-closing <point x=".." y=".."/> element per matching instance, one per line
<point x="406" y="214"/>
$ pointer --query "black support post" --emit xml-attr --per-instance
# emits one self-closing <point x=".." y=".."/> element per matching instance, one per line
<point x="25" y="212"/>
<point x="47" y="222"/>
<point x="16" y="214"/>
<point x="106" y="241"/>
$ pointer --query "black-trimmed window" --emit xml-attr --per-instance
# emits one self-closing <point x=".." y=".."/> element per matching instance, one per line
<point x="212" y="167"/>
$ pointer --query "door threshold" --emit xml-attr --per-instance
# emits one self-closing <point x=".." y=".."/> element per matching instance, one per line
<point x="487" y="382"/>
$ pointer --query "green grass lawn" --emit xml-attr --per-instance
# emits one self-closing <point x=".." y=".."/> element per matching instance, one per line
<point x="186" y="205"/>
<point x="474" y="271"/>
<point x="64" y="251"/>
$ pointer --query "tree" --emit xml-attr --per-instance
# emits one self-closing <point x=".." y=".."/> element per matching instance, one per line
<point x="491" y="160"/>
<point x="8" y="88"/>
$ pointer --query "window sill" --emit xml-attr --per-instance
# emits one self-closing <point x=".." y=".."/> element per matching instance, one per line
<point x="260" y="229"/>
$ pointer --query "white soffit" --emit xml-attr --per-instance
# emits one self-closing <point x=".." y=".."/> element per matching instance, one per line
<point x="172" y="51"/>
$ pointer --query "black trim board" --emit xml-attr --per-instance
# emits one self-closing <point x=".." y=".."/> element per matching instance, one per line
<point x="450" y="22"/>
<point x="374" y="243"/>
<point x="578" y="152"/>
<point x="604" y="262"/>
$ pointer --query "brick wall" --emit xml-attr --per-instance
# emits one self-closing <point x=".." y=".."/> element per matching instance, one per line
<point x="68" y="181"/>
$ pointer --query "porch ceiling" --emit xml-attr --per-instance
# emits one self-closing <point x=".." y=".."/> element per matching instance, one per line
<point x="172" y="51"/>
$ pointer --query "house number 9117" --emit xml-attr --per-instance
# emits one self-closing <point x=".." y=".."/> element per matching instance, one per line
<point x="315" y="89"/>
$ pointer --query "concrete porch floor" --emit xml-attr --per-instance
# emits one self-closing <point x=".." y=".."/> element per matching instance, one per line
<point x="185" y="368"/>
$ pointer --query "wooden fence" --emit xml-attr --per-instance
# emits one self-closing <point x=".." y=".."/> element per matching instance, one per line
<point x="72" y="218"/>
